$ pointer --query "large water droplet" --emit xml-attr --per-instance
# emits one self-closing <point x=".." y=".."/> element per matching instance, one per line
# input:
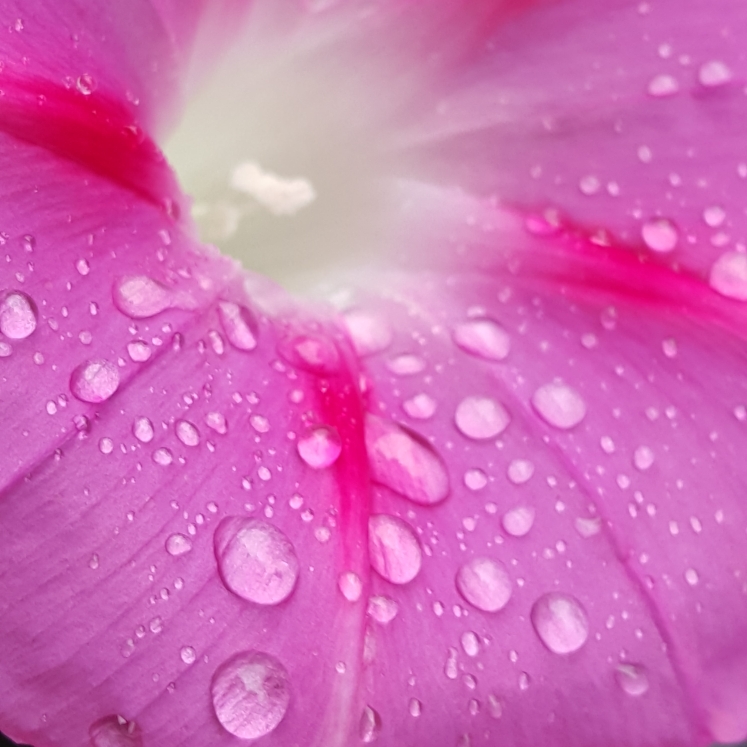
<point x="520" y="471"/>
<point x="728" y="275"/>
<point x="350" y="585"/>
<point x="484" y="583"/>
<point x="559" y="405"/>
<point x="139" y="351"/>
<point x="115" y="731"/>
<point x="94" y="381"/>
<point x="420" y="407"/>
<point x="256" y="560"/>
<point x="312" y="353"/>
<point x="663" y="85"/>
<point x="470" y="643"/>
<point x="660" y="235"/>
<point x="405" y="463"/>
<point x="393" y="549"/>
<point x="178" y="544"/>
<point x="481" y="417"/>
<point x="518" y="521"/>
<point x="320" y="447"/>
<point x="370" y="725"/>
<point x="239" y="325"/>
<point x="187" y="433"/>
<point x="560" y="622"/>
<point x="382" y="609"/>
<point x="17" y="315"/>
<point x="632" y="679"/>
<point x="141" y="297"/>
<point x="643" y="458"/>
<point x="714" y="73"/>
<point x="484" y="338"/>
<point x="369" y="333"/>
<point x="250" y="694"/>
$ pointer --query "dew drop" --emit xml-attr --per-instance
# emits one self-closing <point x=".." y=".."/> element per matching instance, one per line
<point x="350" y="586"/>
<point x="481" y="418"/>
<point x="369" y="333"/>
<point x="559" y="405"/>
<point x="188" y="655"/>
<point x="660" y="235"/>
<point x="714" y="73"/>
<point x="250" y="694"/>
<point x="106" y="445"/>
<point x="520" y="471"/>
<point x="632" y="679"/>
<point x="663" y="85"/>
<point x="588" y="527"/>
<point x="518" y="521"/>
<point x="187" y="433"/>
<point x="94" y="381"/>
<point x="382" y="609"/>
<point x="239" y="325"/>
<point x="728" y="275"/>
<point x="256" y="561"/>
<point x="643" y="458"/>
<point x="475" y="479"/>
<point x="18" y="315"/>
<point x="216" y="422"/>
<point x="320" y="447"/>
<point x="393" y="549"/>
<point x="714" y="216"/>
<point x="370" y="725"/>
<point x="86" y="84"/>
<point x="404" y="462"/>
<point x="692" y="577"/>
<point x="178" y="544"/>
<point x="484" y="583"/>
<point x="483" y="338"/>
<point x="312" y="353"/>
<point x="415" y="707"/>
<point x="406" y="365"/>
<point x="470" y="643"/>
<point x="115" y="731"/>
<point x="420" y="407"/>
<point x="560" y="622"/>
<point x="163" y="456"/>
<point x="139" y="351"/>
<point x="140" y="297"/>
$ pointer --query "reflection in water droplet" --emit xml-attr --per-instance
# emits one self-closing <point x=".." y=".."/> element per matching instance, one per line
<point x="728" y="275"/>
<point x="484" y="583"/>
<point x="350" y="585"/>
<point x="560" y="622"/>
<point x="178" y="544"/>
<point x="255" y="559"/>
<point x="312" y="353"/>
<point x="239" y="325"/>
<point x="370" y="334"/>
<point x="632" y="678"/>
<point x="404" y="463"/>
<point x="188" y="655"/>
<point x="559" y="405"/>
<point x="420" y="407"/>
<point x="660" y="235"/>
<point x="382" y="609"/>
<point x="320" y="447"/>
<point x="393" y="549"/>
<point x="484" y="338"/>
<point x="520" y="470"/>
<point x="94" y="381"/>
<point x="140" y="297"/>
<point x="17" y="315"/>
<point x="250" y="694"/>
<point x="187" y="433"/>
<point x="518" y="521"/>
<point x="481" y="417"/>
<point x="115" y="731"/>
<point x="370" y="725"/>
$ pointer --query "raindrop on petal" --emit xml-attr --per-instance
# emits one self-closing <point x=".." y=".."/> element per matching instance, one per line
<point x="520" y="470"/>
<point x="483" y="338"/>
<point x="632" y="679"/>
<point x="382" y="609"/>
<point x="17" y="315"/>
<point x="187" y="433"/>
<point x="140" y="297"/>
<point x="320" y="447"/>
<point x="239" y="325"/>
<point x="393" y="549"/>
<point x="370" y="334"/>
<point x="484" y="583"/>
<point x="115" y="731"/>
<point x="481" y="417"/>
<point x="350" y="585"/>
<point x="178" y="544"/>
<point x="94" y="381"/>
<point x="560" y="622"/>
<point x="420" y="407"/>
<point x="312" y="353"/>
<point x="660" y="235"/>
<point x="714" y="73"/>
<point x="728" y="275"/>
<point x="559" y="405"/>
<point x="518" y="521"/>
<point x="370" y="725"/>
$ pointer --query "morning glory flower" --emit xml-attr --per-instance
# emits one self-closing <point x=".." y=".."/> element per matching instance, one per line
<point x="480" y="481"/>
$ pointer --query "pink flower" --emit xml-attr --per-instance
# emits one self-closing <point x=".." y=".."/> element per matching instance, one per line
<point x="489" y="492"/>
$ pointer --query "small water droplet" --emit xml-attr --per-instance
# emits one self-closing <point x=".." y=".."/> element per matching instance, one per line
<point x="94" y="381"/>
<point x="188" y="654"/>
<point x="663" y="85"/>
<point x="187" y="433"/>
<point x="518" y="521"/>
<point x="115" y="731"/>
<point x="163" y="456"/>
<point x="481" y="418"/>
<point x="728" y="275"/>
<point x="382" y="609"/>
<point x="692" y="577"/>
<point x="714" y="216"/>
<point x="239" y="325"/>
<point x="669" y="347"/>
<point x="406" y="365"/>
<point x="142" y="429"/>
<point x="320" y="447"/>
<point x="660" y="235"/>
<point x="643" y="458"/>
<point x="404" y="462"/>
<point x="475" y="479"/>
<point x="18" y="315"/>
<point x="350" y="585"/>
<point x="483" y="338"/>
<point x="559" y="405"/>
<point x="393" y="549"/>
<point x="312" y="353"/>
<point x="470" y="643"/>
<point x="256" y="560"/>
<point x="216" y="422"/>
<point x="420" y="407"/>
<point x="141" y="297"/>
<point x="369" y="333"/>
<point x="714" y="73"/>
<point x="632" y="679"/>
<point x="560" y="622"/>
<point x="250" y="694"/>
<point x="589" y="185"/>
<point x="138" y="350"/>
<point x="415" y="707"/>
<point x="520" y="471"/>
<point x="484" y="583"/>
<point x="178" y="544"/>
<point x="370" y="725"/>
<point x="86" y="84"/>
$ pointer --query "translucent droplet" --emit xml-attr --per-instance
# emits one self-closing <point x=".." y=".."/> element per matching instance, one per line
<point x="142" y="429"/>
<point x="350" y="585"/>
<point x="250" y="694"/>
<point x="589" y="185"/>
<point x="239" y="325"/>
<point x="178" y="544"/>
<point x="406" y="365"/>
<point x="369" y="333"/>
<point x="588" y="527"/>
<point x="404" y="462"/>
<point x="484" y="583"/>
<point x="714" y="73"/>
<point x="451" y="668"/>
<point x="660" y="235"/>
<point x="470" y="643"/>
<point x="94" y="381"/>
<point x="141" y="297"/>
<point x="320" y="447"/>
<point x="632" y="679"/>
<point x="393" y="549"/>
<point x="714" y="216"/>
<point x="115" y="731"/>
<point x="475" y="479"/>
<point x="312" y="353"/>
<point x="663" y="85"/>
<point x="188" y="654"/>
<point x="138" y="350"/>
<point x="559" y="405"/>
<point x="518" y="521"/>
<point x="692" y="577"/>
<point x="560" y="622"/>
<point x="415" y="707"/>
<point x="187" y="433"/>
<point x="106" y="445"/>
<point x="728" y="275"/>
<point x="18" y="315"/>
<point x="216" y="422"/>
<point x="163" y="456"/>
<point x="481" y="417"/>
<point x="643" y="458"/>
<point x="370" y="725"/>
<point x="255" y="559"/>
<point x="382" y="609"/>
<point x="520" y="470"/>
<point x="420" y="407"/>
<point x="483" y="338"/>
<point x="86" y="84"/>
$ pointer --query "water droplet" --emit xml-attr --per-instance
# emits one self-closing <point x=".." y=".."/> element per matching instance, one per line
<point x="312" y="353"/>
<point x="518" y="521"/>
<point x="520" y="470"/>
<point x="188" y="655"/>
<point x="714" y="216"/>
<point x="404" y="462"/>
<point x="559" y="405"/>
<point x="663" y="85"/>
<point x="350" y="585"/>
<point x="163" y="456"/>
<point x="481" y="417"/>
<point x="728" y="275"/>
<point x="588" y="527"/>
<point x="692" y="577"/>
<point x="369" y="333"/>
<point x="632" y="678"/>
<point x="370" y="725"/>
<point x="239" y="325"/>
<point x="106" y="445"/>
<point x="483" y="338"/>
<point x="138" y="350"/>
<point x="415" y="707"/>
<point x="256" y="560"/>
<point x="470" y="643"/>
<point x="714" y="73"/>
<point x="406" y="365"/>
<point x="140" y="297"/>
<point x="560" y="622"/>
<point x="250" y="694"/>
<point x="589" y="185"/>
<point x="475" y="479"/>
<point x="18" y="315"/>
<point x="643" y="458"/>
<point x="320" y="447"/>
<point x="216" y="422"/>
<point x="187" y="433"/>
<point x="178" y="544"/>
<point x="142" y="429"/>
<point x="86" y="84"/>
<point x="484" y="583"/>
<point x="393" y="549"/>
<point x="115" y="731"/>
<point x="94" y="381"/>
<point x="420" y="407"/>
<point x="660" y="235"/>
<point x="382" y="609"/>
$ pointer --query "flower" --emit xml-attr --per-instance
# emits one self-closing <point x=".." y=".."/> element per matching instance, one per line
<point x="492" y="493"/>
